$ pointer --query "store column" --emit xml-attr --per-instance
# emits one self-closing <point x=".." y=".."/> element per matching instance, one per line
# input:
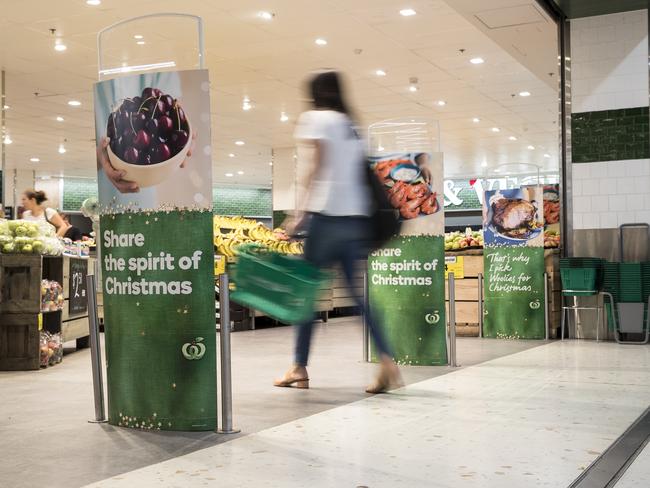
<point x="285" y="186"/>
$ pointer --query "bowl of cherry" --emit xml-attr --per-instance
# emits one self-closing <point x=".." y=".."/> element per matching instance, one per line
<point x="149" y="135"/>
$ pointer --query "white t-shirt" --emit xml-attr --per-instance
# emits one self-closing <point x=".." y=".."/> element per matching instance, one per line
<point x="27" y="215"/>
<point x="339" y="186"/>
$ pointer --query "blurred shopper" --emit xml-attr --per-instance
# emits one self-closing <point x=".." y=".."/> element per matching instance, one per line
<point x="32" y="202"/>
<point x="73" y="233"/>
<point x="336" y="205"/>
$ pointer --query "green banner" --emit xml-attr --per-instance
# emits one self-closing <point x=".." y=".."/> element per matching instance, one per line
<point x="406" y="281"/>
<point x="514" y="292"/>
<point x="159" y="312"/>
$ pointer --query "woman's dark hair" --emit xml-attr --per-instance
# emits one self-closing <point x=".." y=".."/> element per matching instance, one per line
<point x="327" y="92"/>
<point x="39" y="195"/>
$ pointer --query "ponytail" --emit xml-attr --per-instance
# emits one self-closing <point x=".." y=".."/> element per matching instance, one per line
<point x="38" y="195"/>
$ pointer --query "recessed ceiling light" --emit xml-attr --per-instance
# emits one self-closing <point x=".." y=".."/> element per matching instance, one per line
<point x="74" y="103"/>
<point x="524" y="94"/>
<point x="547" y="156"/>
<point x="512" y="138"/>
<point x="263" y="14"/>
<point x="531" y="147"/>
<point x="484" y="164"/>
<point x="271" y="163"/>
<point x="380" y="72"/>
<point x="59" y="119"/>
<point x="413" y="88"/>
<point x="59" y="46"/>
<point x="229" y="175"/>
<point x="138" y="36"/>
<point x="496" y="129"/>
<point x="476" y="120"/>
<point x="6" y="107"/>
<point x="94" y="3"/>
<point x="62" y="149"/>
<point x="380" y="148"/>
<point x="34" y="160"/>
<point x="321" y="42"/>
<point x="231" y="155"/>
<point x="240" y="172"/>
<point x="477" y="60"/>
<point x="140" y="43"/>
<point x="240" y="143"/>
<point x="497" y="170"/>
<point x="407" y="12"/>
<point x="284" y="117"/>
<point x="441" y="103"/>
<point x="7" y="140"/>
<point x="246" y="104"/>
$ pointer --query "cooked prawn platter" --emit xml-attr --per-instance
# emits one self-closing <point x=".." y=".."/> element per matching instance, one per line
<point x="408" y="186"/>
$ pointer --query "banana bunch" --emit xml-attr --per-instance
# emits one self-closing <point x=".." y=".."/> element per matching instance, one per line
<point x="230" y="232"/>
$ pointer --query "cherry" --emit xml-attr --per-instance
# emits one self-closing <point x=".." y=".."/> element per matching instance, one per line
<point x="129" y="105"/>
<point x="178" y="140"/>
<point x="160" y="153"/>
<point x="110" y="129"/>
<point x="148" y="93"/>
<point x="138" y="119"/>
<point x="142" y="139"/>
<point x="152" y="127"/>
<point x="131" y="155"/>
<point x="144" y="159"/>
<point x="165" y="125"/>
<point x="115" y="147"/>
<point x="178" y="116"/>
<point x="168" y="100"/>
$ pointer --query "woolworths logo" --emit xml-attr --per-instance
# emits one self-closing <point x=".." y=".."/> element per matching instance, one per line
<point x="432" y="318"/>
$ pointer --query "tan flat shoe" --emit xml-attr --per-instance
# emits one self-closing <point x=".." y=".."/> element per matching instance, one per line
<point x="389" y="378"/>
<point x="290" y="382"/>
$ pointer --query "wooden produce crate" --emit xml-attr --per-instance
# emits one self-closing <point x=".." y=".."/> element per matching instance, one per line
<point x="19" y="342"/>
<point x="20" y="284"/>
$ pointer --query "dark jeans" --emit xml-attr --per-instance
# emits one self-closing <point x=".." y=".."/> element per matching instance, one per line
<point x="330" y="241"/>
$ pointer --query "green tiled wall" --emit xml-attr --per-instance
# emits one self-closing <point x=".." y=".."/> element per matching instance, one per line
<point x="467" y="194"/>
<point x="75" y="191"/>
<point x="610" y="135"/>
<point x="252" y="202"/>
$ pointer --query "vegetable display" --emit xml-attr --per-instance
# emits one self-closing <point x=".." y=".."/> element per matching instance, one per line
<point x="26" y="237"/>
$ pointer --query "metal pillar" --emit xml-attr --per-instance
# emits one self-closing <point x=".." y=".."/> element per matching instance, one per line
<point x="452" y="321"/>
<point x="546" y="314"/>
<point x="366" y="342"/>
<point x="480" y="305"/>
<point x="224" y="343"/>
<point x="95" y="351"/>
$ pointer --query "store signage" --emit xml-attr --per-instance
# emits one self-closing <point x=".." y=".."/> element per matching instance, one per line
<point x="155" y="192"/>
<point x="406" y="277"/>
<point x="456" y="265"/>
<point x="513" y="231"/>
<point x="77" y="291"/>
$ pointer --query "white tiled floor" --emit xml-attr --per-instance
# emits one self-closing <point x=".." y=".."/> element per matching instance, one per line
<point x="638" y="474"/>
<point x="536" y="418"/>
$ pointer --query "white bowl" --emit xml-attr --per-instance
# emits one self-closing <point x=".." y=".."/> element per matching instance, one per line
<point x="151" y="174"/>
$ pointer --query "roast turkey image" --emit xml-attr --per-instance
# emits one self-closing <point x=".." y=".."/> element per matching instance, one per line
<point x="513" y="217"/>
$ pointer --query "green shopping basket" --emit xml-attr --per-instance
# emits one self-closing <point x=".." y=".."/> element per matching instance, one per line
<point x="579" y="281"/>
<point x="282" y="287"/>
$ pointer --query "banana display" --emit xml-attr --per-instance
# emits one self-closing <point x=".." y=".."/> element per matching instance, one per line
<point x="231" y="232"/>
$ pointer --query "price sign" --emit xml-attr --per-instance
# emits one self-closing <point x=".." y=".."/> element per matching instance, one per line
<point x="77" y="291"/>
<point x="219" y="264"/>
<point x="454" y="264"/>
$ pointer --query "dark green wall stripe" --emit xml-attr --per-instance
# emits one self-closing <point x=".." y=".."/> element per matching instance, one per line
<point x="610" y="135"/>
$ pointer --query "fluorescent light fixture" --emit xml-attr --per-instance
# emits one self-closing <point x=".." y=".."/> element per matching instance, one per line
<point x="34" y="160"/>
<point x="240" y="143"/>
<point x="380" y="72"/>
<point x="484" y="164"/>
<point x="441" y="103"/>
<point x="477" y="60"/>
<point x="231" y="155"/>
<point x="74" y="103"/>
<point x="7" y="140"/>
<point x="321" y="42"/>
<point x="512" y="138"/>
<point x="229" y="175"/>
<point x="141" y="67"/>
<point x="59" y="118"/>
<point x="531" y="147"/>
<point x="6" y="107"/>
<point x="497" y="170"/>
<point x="496" y="129"/>
<point x="246" y="104"/>
<point x="59" y="46"/>
<point x="140" y="43"/>
<point x="547" y="156"/>
<point x="284" y="117"/>
<point x="263" y="14"/>
<point x="240" y="172"/>
<point x="476" y="120"/>
<point x="62" y="149"/>
<point x="524" y="94"/>
<point x="138" y="36"/>
<point x="407" y="12"/>
<point x="380" y="148"/>
<point x="413" y="88"/>
<point x="94" y="3"/>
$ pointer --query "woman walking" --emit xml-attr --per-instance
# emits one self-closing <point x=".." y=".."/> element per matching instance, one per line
<point x="336" y="209"/>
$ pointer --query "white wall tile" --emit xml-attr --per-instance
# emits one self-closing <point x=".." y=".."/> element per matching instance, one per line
<point x="599" y="170"/>
<point x="605" y="186"/>
<point x="591" y="187"/>
<point x="591" y="221"/>
<point x="576" y="187"/>
<point x="608" y="220"/>
<point x="617" y="203"/>
<point x="581" y="171"/>
<point x="635" y="202"/>
<point x="624" y="185"/>
<point x="600" y="204"/>
<point x="615" y="169"/>
<point x="626" y="217"/>
<point x="582" y="204"/>
<point x="642" y="216"/>
<point x="638" y="167"/>
<point x="642" y="184"/>
<point x="577" y="221"/>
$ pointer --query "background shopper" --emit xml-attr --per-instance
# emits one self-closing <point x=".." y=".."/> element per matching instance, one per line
<point x="336" y="208"/>
<point x="73" y="233"/>
<point x="32" y="202"/>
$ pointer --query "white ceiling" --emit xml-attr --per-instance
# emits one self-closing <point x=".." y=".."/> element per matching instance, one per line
<point x="268" y="62"/>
